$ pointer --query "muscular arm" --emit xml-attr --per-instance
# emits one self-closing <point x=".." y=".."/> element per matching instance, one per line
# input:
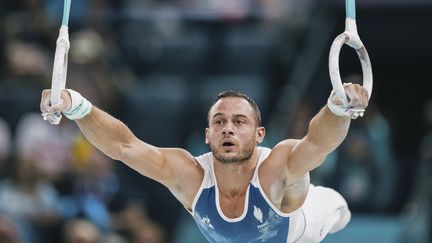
<point x="115" y="139"/>
<point x="174" y="168"/>
<point x="326" y="132"/>
<point x="292" y="159"/>
<point x="165" y="165"/>
<point x="284" y="175"/>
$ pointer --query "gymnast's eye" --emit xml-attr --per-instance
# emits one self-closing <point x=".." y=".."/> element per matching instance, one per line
<point x="240" y="122"/>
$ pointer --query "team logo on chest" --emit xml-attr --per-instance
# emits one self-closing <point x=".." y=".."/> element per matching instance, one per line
<point x="258" y="214"/>
<point x="205" y="221"/>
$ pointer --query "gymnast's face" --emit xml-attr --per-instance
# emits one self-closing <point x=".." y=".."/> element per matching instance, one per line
<point x="233" y="132"/>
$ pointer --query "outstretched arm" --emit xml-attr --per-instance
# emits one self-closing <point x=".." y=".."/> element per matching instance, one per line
<point x="116" y="140"/>
<point x="293" y="158"/>
<point x="165" y="165"/>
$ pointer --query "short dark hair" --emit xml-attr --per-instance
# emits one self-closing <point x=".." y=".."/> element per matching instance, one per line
<point x="232" y="93"/>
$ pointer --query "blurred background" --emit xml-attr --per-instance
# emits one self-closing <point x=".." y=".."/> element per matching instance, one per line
<point x="157" y="66"/>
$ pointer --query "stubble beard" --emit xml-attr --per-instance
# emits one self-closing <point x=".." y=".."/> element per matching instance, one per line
<point x="244" y="155"/>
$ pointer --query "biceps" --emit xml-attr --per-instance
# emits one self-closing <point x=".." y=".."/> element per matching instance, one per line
<point x="164" y="165"/>
<point x="147" y="160"/>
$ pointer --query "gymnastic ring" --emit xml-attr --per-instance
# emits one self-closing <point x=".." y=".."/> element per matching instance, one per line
<point x="335" y="77"/>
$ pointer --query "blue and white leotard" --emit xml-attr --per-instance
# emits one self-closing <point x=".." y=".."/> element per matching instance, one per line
<point x="261" y="221"/>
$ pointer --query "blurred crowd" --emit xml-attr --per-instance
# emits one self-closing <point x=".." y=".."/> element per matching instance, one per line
<point x="136" y="59"/>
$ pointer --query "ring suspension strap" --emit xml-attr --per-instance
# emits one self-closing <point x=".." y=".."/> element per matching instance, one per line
<point x="66" y="11"/>
<point x="352" y="39"/>
<point x="58" y="82"/>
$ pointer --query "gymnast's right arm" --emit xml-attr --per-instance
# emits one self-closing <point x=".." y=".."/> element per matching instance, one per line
<point x="173" y="167"/>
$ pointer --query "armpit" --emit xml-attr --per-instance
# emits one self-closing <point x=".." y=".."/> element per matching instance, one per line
<point x="295" y="194"/>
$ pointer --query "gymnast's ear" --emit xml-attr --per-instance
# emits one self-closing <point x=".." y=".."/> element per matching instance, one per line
<point x="207" y="141"/>
<point x="260" y="134"/>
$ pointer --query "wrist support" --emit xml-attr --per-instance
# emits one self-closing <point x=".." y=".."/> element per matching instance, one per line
<point x="80" y="106"/>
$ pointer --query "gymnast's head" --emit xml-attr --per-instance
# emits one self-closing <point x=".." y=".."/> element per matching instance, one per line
<point x="234" y="127"/>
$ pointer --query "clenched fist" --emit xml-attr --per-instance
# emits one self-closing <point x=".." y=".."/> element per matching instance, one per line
<point x="357" y="99"/>
<point x="72" y="104"/>
<point x="52" y="113"/>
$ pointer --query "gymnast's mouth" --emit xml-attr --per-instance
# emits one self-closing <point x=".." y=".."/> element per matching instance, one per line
<point x="228" y="144"/>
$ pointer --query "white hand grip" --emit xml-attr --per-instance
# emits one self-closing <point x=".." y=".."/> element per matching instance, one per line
<point x="58" y="82"/>
<point x="339" y="41"/>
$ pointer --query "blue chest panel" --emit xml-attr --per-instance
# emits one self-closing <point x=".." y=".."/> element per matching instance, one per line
<point x="260" y="224"/>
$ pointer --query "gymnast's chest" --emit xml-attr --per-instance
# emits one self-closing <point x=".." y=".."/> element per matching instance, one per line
<point x="232" y="207"/>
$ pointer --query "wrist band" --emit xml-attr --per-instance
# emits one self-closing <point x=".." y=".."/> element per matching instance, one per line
<point x="80" y="106"/>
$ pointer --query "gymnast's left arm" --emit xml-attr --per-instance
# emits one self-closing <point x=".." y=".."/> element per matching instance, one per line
<point x="326" y="132"/>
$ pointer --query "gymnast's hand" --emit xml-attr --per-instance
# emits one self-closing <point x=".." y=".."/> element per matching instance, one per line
<point x="357" y="99"/>
<point x="50" y="111"/>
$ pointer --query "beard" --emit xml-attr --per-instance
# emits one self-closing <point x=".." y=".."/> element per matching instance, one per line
<point x="231" y="158"/>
